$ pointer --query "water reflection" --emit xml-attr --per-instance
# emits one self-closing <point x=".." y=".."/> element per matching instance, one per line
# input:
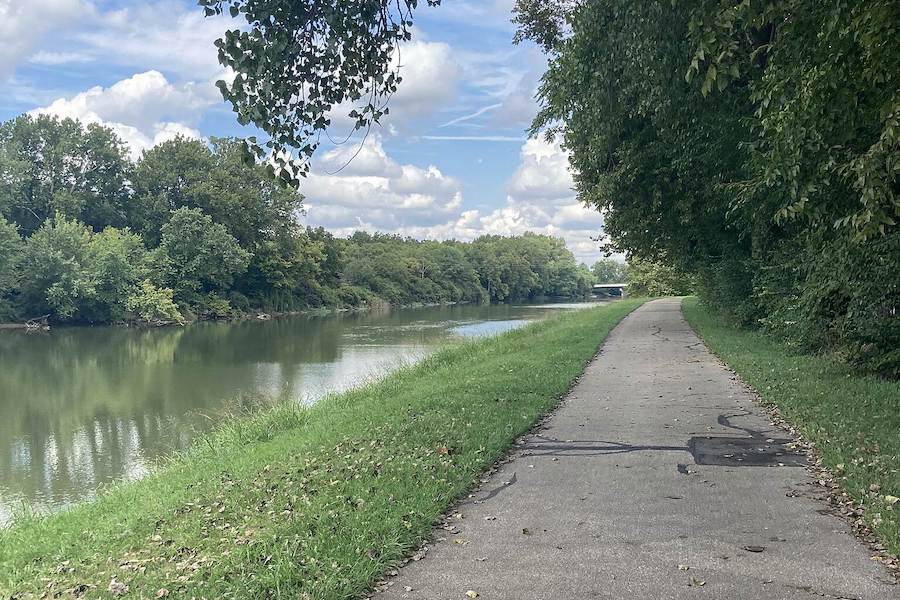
<point x="82" y="407"/>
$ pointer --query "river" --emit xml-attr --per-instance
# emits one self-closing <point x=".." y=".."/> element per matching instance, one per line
<point x="83" y="407"/>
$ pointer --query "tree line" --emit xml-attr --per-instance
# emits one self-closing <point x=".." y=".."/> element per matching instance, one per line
<point x="193" y="230"/>
<point x="752" y="146"/>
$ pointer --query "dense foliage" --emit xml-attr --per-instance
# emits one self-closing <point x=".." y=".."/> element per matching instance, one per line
<point x="609" y="270"/>
<point x="191" y="230"/>
<point x="755" y="145"/>
<point x="653" y="278"/>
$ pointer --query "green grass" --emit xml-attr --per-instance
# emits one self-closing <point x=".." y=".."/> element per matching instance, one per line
<point x="854" y="420"/>
<point x="317" y="502"/>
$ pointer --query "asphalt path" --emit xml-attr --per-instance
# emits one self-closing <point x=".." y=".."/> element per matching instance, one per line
<point x="657" y="478"/>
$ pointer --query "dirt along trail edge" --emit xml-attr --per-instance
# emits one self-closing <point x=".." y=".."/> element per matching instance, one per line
<point x="658" y="477"/>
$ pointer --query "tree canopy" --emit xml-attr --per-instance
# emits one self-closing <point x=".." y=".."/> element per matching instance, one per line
<point x="190" y="229"/>
<point x="752" y="144"/>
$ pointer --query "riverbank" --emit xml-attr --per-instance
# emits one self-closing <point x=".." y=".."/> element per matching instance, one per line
<point x="236" y="316"/>
<point x="852" y="420"/>
<point x="314" y="502"/>
<point x="262" y="315"/>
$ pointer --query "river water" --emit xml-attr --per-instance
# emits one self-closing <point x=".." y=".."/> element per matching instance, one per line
<point x="84" y="407"/>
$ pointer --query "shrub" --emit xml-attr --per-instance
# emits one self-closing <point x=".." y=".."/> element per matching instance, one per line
<point x="214" y="306"/>
<point x="153" y="304"/>
<point x="353" y="296"/>
<point x="239" y="301"/>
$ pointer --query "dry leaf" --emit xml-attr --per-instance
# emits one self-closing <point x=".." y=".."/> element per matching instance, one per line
<point x="472" y="594"/>
<point x="117" y="588"/>
<point x="683" y="567"/>
<point x="697" y="582"/>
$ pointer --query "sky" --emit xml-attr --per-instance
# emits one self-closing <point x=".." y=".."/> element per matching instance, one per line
<point x="452" y="160"/>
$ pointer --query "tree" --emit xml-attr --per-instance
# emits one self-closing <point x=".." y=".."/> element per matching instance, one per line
<point x="823" y="78"/>
<point x="751" y="144"/>
<point x="609" y="270"/>
<point x="57" y="275"/>
<point x="197" y="256"/>
<point x="49" y="165"/>
<point x="656" y="278"/>
<point x="10" y="249"/>
<point x="167" y="177"/>
<point x="295" y="63"/>
<point x="152" y="304"/>
<point x="261" y="213"/>
<point x="117" y="260"/>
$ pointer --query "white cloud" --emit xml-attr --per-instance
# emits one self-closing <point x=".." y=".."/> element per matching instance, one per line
<point x="23" y="24"/>
<point x="430" y="75"/>
<point x="145" y="109"/>
<point x="363" y="159"/>
<point x="541" y="199"/>
<point x="141" y="100"/>
<point x="519" y="106"/>
<point x="378" y="194"/>
<point x="58" y="58"/>
<point x="495" y="14"/>
<point x="543" y="173"/>
<point x="500" y="87"/>
<point x="139" y="140"/>
<point x="430" y="78"/>
<point x="164" y="35"/>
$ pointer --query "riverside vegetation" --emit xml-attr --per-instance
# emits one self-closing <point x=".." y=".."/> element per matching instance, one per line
<point x="311" y="502"/>
<point x="853" y="420"/>
<point x="192" y="230"/>
<point x="754" y="146"/>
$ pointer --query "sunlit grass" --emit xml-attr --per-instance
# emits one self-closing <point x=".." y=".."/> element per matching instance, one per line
<point x="853" y="420"/>
<point x="311" y="502"/>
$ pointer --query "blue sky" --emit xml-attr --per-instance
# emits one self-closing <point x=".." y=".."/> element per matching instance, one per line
<point x="451" y="161"/>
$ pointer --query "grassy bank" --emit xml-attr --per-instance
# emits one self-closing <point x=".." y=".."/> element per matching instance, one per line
<point x="853" y="420"/>
<point x="311" y="503"/>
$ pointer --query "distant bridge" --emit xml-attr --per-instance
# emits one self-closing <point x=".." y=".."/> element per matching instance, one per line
<point x="610" y="289"/>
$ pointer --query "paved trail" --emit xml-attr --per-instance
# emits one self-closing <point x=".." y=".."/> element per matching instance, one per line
<point x="638" y="473"/>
